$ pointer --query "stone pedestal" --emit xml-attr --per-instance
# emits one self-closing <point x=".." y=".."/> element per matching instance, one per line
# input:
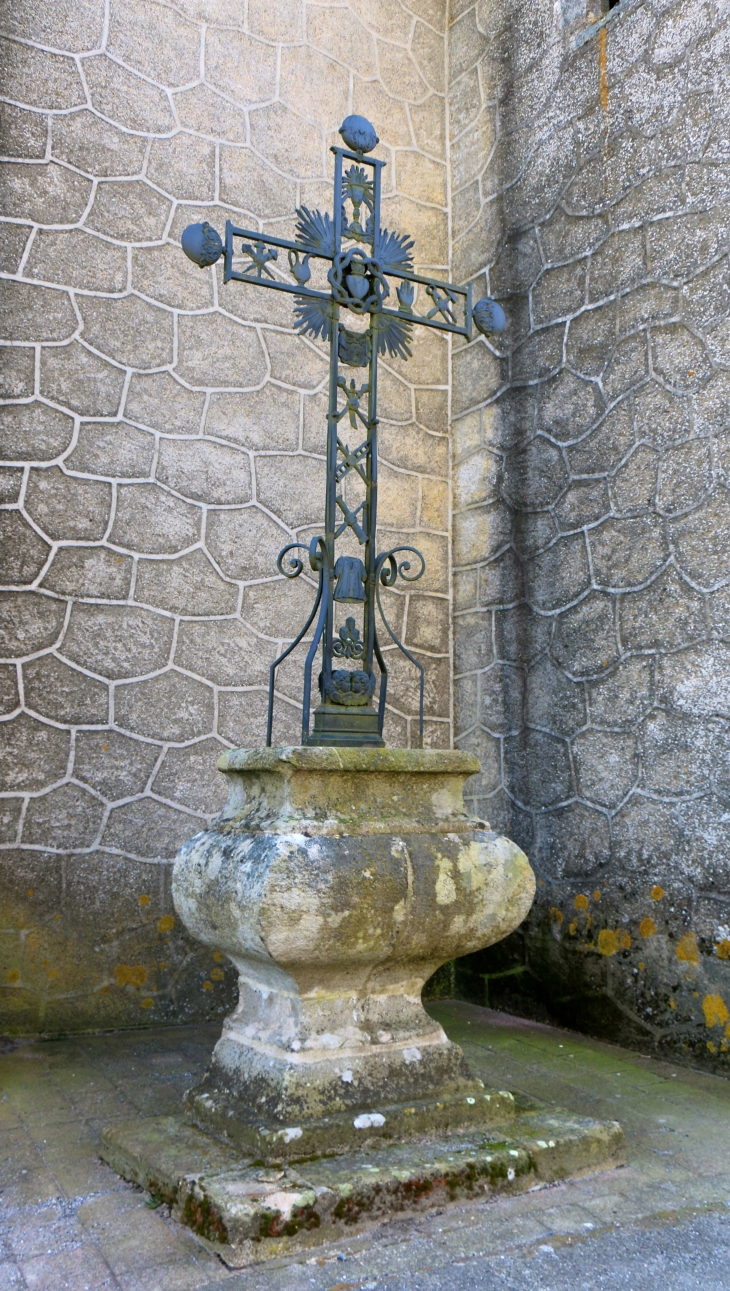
<point x="338" y="880"/>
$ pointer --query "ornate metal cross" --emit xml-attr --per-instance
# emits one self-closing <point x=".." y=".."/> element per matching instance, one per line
<point x="361" y="261"/>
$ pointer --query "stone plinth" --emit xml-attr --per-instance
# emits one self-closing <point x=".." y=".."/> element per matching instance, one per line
<point x="337" y="881"/>
<point x="247" y="1213"/>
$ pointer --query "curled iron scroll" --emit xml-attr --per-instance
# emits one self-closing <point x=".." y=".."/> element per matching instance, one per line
<point x="317" y="552"/>
<point x="296" y="565"/>
<point x="387" y="570"/>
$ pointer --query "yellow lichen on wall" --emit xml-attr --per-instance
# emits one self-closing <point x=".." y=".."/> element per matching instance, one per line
<point x="687" y="949"/>
<point x="130" y="974"/>
<point x="608" y="942"/>
<point x="603" y="68"/>
<point x="715" y="1011"/>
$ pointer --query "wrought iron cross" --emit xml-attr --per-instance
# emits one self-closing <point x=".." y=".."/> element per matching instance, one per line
<point x="361" y="261"/>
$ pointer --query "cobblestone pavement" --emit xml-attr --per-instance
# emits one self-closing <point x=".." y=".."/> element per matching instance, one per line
<point x="68" y="1224"/>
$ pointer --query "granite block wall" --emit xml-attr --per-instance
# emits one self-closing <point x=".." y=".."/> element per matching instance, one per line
<point x="162" y="438"/>
<point x="591" y="195"/>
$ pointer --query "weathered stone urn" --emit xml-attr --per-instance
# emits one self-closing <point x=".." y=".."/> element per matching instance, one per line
<point x="337" y="881"/>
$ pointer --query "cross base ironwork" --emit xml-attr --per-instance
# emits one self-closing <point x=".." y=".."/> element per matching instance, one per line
<point x="346" y="727"/>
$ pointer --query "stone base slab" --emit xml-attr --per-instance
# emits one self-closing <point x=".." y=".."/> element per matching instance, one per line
<point x="247" y="1213"/>
<point x="221" y="1115"/>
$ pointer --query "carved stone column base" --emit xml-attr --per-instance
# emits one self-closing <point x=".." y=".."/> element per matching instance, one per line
<point x="338" y="880"/>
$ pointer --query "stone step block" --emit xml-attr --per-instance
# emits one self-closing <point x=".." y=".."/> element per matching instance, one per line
<point x="247" y="1212"/>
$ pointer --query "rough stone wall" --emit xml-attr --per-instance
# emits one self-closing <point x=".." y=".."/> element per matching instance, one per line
<point x="591" y="503"/>
<point x="163" y="439"/>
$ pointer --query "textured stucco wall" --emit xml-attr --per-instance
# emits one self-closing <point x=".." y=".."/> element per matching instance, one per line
<point x="163" y="439"/>
<point x="591" y="504"/>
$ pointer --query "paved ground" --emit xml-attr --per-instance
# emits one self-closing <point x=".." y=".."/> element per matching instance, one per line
<point x="68" y="1224"/>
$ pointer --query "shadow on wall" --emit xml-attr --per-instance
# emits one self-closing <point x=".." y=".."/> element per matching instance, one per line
<point x="643" y="979"/>
<point x="592" y="509"/>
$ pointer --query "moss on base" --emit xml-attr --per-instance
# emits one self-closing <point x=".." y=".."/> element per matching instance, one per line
<point x="247" y="1213"/>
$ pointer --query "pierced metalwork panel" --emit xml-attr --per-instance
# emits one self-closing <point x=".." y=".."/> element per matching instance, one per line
<point x="370" y="276"/>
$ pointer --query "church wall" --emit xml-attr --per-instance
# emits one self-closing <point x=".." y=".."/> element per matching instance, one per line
<point x="590" y="195"/>
<point x="163" y="438"/>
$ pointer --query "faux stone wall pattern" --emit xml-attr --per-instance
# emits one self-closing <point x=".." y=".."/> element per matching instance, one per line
<point x="164" y="439"/>
<point x="591" y="507"/>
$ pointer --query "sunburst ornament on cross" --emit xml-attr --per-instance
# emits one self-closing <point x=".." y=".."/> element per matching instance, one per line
<point x="356" y="262"/>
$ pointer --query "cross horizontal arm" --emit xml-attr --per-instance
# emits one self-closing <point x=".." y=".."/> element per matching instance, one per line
<point x="258" y="272"/>
<point x="447" y="291"/>
<point x="436" y="323"/>
<point x="408" y="275"/>
<point x="275" y="285"/>
<point x="232" y="231"/>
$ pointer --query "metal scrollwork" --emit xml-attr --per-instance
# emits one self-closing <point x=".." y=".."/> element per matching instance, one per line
<point x="357" y="281"/>
<point x="387" y="571"/>
<point x="363" y="261"/>
<point x="350" y="644"/>
<point x="352" y="688"/>
<point x="318" y="561"/>
<point x="259" y="256"/>
<point x="318" y="554"/>
<point x="295" y="564"/>
<point x="398" y="569"/>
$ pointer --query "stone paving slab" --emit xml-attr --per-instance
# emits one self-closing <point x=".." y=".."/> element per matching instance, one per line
<point x="661" y="1221"/>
